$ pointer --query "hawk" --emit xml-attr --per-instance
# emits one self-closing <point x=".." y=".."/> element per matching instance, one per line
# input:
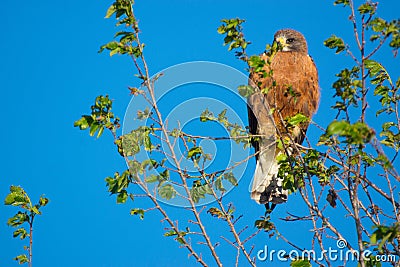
<point x="291" y="89"/>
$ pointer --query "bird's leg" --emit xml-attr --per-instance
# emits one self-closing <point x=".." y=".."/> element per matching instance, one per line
<point x="269" y="208"/>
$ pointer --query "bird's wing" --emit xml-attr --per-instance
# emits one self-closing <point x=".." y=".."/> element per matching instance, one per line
<point x="261" y="123"/>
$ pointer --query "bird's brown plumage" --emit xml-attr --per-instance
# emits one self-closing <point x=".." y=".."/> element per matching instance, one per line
<point x="295" y="91"/>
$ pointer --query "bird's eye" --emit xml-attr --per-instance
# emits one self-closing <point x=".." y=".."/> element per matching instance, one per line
<point x="290" y="40"/>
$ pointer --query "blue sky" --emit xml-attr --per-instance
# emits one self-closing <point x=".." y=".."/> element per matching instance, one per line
<point x="50" y="74"/>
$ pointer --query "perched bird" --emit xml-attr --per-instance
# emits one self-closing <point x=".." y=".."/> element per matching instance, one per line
<point x="292" y="88"/>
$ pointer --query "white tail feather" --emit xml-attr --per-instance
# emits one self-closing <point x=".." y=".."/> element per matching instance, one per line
<point x="267" y="187"/>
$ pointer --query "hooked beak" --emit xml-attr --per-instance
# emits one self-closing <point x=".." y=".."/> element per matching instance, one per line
<point x="281" y="41"/>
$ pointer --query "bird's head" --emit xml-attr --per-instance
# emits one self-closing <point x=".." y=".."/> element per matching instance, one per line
<point x="291" y="40"/>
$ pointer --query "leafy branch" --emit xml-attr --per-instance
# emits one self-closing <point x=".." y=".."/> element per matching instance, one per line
<point x="26" y="215"/>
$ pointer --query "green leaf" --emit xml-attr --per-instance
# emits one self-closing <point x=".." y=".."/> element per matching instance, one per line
<point x="337" y="127"/>
<point x="167" y="191"/>
<point x="335" y="42"/>
<point x="21" y="232"/>
<point x="206" y="115"/>
<point x="131" y="143"/>
<point x="199" y="191"/>
<point x="264" y="224"/>
<point x="147" y="142"/>
<point x="245" y="90"/>
<point x="22" y="259"/>
<point x="297" y="119"/>
<point x="139" y="212"/>
<point x="215" y="212"/>
<point x="118" y="183"/>
<point x="373" y="66"/>
<point x="17" y="189"/>
<point x="135" y="168"/>
<point x="180" y="240"/>
<point x="221" y="29"/>
<point x="122" y="197"/>
<point x="101" y="117"/>
<point x="377" y="25"/>
<point x="374" y="37"/>
<point x="343" y="2"/>
<point x="176" y="132"/>
<point x="300" y="263"/>
<point x="18" y="219"/>
<point x="179" y="236"/>
<point x="384" y="234"/>
<point x="171" y="233"/>
<point x="195" y="152"/>
<point x="128" y="144"/>
<point x="111" y="46"/>
<point x="377" y="72"/>
<point x="357" y="133"/>
<point x="218" y="184"/>
<point x="35" y="210"/>
<point x="230" y="177"/>
<point x="367" y="8"/>
<point x="94" y="128"/>
<point x="347" y="87"/>
<point x="145" y="114"/>
<point x="395" y="42"/>
<point x="256" y="63"/>
<point x="222" y="116"/>
<point x="84" y="122"/>
<point x="165" y="174"/>
<point x="152" y="178"/>
<point x="387" y="125"/>
<point x="162" y="177"/>
<point x="373" y="239"/>
<point x="17" y="197"/>
<point x="234" y="36"/>
<point x="111" y="10"/>
<point x="125" y="37"/>
<point x="100" y="132"/>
